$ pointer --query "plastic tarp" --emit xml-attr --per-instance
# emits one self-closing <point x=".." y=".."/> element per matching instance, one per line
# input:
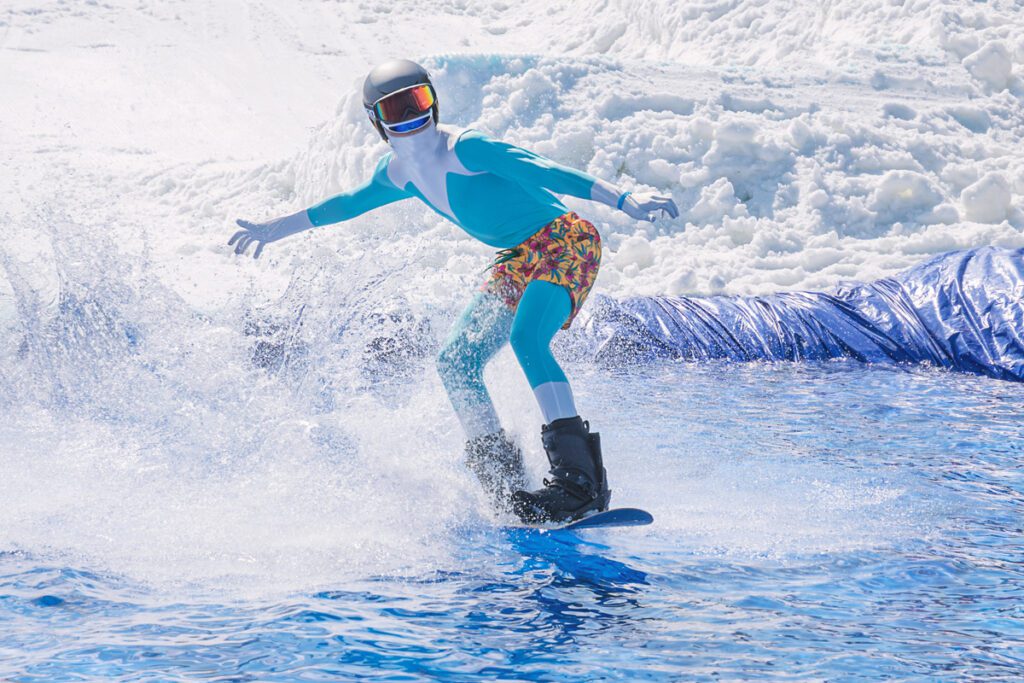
<point x="962" y="310"/>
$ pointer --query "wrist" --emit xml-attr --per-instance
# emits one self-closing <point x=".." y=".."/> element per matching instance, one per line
<point x="293" y="223"/>
<point x="622" y="200"/>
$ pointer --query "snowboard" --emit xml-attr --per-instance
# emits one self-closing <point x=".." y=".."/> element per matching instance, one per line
<point x="608" y="518"/>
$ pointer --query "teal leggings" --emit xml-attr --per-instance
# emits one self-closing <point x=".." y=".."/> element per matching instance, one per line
<point x="483" y="329"/>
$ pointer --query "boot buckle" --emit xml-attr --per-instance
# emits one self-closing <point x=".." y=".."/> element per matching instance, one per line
<point x="574" y="483"/>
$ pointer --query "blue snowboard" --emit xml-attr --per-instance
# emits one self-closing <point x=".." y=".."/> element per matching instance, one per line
<point x="613" y="517"/>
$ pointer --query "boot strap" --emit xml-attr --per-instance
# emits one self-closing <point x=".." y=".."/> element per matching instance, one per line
<point x="573" y="481"/>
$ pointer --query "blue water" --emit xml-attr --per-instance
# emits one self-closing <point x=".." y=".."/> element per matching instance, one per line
<point x="819" y="521"/>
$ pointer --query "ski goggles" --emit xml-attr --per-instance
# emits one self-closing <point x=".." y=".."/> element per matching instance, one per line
<point x="403" y="105"/>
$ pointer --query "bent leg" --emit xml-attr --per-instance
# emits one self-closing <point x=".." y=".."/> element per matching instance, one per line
<point x="478" y="334"/>
<point x="576" y="483"/>
<point x="542" y="311"/>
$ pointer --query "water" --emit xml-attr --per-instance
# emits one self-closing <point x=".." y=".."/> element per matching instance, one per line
<point x="826" y="521"/>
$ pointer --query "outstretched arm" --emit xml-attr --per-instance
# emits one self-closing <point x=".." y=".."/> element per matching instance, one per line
<point x="375" y="192"/>
<point x="479" y="152"/>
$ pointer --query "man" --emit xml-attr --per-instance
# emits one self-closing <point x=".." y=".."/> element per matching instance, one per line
<point x="505" y="196"/>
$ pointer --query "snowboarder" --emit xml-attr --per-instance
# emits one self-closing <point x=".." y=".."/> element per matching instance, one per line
<point x="505" y="196"/>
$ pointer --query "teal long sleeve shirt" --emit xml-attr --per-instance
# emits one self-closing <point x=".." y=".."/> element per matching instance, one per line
<point x="497" y="192"/>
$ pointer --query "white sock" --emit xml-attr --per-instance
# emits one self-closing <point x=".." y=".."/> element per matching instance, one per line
<point x="556" y="402"/>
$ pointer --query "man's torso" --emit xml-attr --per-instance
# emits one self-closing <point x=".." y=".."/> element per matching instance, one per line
<point x="496" y="210"/>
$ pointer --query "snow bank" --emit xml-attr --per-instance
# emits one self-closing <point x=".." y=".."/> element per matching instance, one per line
<point x="804" y="143"/>
<point x="834" y="37"/>
<point x="780" y="188"/>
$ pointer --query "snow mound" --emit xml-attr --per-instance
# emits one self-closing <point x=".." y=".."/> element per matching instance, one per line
<point x="779" y="189"/>
<point x="805" y="143"/>
<point x="901" y="194"/>
<point x="763" y="33"/>
<point x="991" y="64"/>
<point x="988" y="200"/>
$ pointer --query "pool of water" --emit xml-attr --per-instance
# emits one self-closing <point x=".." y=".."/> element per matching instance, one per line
<point x="822" y="521"/>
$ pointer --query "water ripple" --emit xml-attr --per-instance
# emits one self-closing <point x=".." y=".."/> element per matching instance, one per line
<point x="877" y="538"/>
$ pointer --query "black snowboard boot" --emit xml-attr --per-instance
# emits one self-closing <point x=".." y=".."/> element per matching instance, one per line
<point x="498" y="463"/>
<point x="577" y="484"/>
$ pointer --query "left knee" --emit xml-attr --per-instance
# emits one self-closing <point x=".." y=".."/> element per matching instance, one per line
<point x="448" y="360"/>
<point x="455" y="365"/>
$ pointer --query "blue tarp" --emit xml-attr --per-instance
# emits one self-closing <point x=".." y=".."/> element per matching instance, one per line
<point x="962" y="310"/>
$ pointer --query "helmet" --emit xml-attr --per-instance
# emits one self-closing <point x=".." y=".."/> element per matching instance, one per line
<point x="390" y="77"/>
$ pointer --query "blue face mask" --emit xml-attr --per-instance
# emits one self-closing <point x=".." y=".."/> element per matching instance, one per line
<point x="409" y="126"/>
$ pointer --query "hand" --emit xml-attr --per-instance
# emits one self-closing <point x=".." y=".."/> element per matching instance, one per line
<point x="264" y="233"/>
<point x="642" y="206"/>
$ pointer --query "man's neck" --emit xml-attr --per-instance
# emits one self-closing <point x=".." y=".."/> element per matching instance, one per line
<point x="425" y="144"/>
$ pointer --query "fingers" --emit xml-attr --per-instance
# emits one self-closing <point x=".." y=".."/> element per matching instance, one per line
<point x="663" y="204"/>
<point x="245" y="240"/>
<point x="246" y="237"/>
<point x="243" y="244"/>
<point x="669" y="209"/>
<point x="672" y="209"/>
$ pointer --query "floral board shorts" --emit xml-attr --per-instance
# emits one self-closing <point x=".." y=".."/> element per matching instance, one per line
<point x="566" y="252"/>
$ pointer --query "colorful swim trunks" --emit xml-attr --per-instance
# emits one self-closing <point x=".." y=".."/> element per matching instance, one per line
<point x="566" y="252"/>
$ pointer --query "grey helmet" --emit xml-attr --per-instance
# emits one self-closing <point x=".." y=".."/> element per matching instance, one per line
<point x="389" y="77"/>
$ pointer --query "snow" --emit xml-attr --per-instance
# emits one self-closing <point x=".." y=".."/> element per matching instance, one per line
<point x="635" y="251"/>
<point x="900" y="194"/>
<point x="804" y="143"/>
<point x="991" y="65"/>
<point x="988" y="200"/>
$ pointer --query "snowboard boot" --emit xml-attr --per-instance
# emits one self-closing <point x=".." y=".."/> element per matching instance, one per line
<point x="498" y="463"/>
<point x="577" y="483"/>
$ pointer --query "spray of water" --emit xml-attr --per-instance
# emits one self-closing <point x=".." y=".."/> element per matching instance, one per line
<point x="181" y="416"/>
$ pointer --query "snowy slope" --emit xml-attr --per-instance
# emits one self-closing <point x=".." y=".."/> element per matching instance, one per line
<point x="806" y="143"/>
